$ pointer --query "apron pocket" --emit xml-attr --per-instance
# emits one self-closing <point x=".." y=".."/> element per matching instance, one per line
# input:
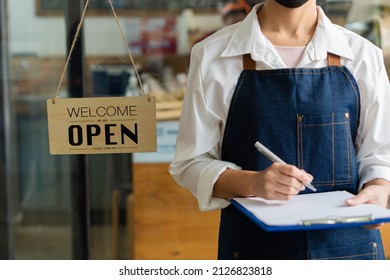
<point x="363" y="252"/>
<point x="325" y="148"/>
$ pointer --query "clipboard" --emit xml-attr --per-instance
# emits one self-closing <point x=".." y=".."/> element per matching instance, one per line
<point x="310" y="212"/>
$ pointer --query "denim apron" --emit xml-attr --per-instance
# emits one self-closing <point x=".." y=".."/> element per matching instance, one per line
<point x="309" y="118"/>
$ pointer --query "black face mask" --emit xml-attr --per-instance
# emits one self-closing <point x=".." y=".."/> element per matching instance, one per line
<point x="291" y="3"/>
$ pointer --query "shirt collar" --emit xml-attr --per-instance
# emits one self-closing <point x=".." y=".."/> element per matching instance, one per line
<point x="248" y="38"/>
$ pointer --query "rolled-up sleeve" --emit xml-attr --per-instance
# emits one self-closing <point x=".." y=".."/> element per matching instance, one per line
<point x="196" y="165"/>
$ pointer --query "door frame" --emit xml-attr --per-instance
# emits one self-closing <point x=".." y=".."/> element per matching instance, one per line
<point x="6" y="227"/>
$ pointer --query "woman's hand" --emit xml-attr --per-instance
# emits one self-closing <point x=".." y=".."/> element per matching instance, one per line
<point x="280" y="182"/>
<point x="375" y="192"/>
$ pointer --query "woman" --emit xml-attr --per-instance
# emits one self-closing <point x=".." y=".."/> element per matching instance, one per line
<point x="314" y="93"/>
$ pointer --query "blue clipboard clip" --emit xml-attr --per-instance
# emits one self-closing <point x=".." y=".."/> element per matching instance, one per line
<point x="337" y="220"/>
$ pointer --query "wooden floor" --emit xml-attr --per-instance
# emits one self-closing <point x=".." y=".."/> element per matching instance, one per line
<point x="168" y="224"/>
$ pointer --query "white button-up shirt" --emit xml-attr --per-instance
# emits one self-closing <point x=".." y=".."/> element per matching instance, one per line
<point x="215" y="66"/>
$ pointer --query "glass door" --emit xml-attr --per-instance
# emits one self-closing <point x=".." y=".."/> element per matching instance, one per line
<point x="52" y="206"/>
<point x="36" y="184"/>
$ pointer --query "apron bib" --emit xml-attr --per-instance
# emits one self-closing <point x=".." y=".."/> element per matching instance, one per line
<point x="309" y="118"/>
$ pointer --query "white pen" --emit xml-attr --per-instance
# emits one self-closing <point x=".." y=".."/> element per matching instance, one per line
<point x="274" y="158"/>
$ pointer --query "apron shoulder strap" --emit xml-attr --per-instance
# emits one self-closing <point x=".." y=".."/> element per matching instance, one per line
<point x="333" y="60"/>
<point x="249" y="63"/>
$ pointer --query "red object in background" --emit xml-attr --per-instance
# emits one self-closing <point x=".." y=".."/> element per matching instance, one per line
<point x="157" y="36"/>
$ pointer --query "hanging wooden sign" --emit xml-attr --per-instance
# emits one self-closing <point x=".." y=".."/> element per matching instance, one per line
<point x="105" y="125"/>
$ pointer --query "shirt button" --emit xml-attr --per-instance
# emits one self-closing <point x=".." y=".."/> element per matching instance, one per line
<point x="236" y="254"/>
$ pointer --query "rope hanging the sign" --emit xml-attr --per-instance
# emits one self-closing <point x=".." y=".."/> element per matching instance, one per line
<point x="74" y="43"/>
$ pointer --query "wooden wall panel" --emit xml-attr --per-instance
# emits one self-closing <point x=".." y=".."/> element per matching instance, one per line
<point x="167" y="221"/>
<point x="385" y="232"/>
